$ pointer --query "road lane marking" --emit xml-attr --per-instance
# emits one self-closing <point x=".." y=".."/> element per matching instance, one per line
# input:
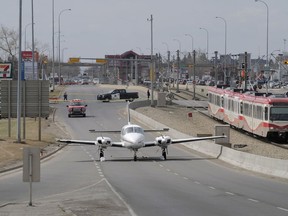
<point x="283" y="209"/>
<point x="229" y="193"/>
<point x="253" y="200"/>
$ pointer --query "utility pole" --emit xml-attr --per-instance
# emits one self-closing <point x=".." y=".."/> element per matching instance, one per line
<point x="194" y="74"/>
<point x="215" y="68"/>
<point x="178" y="74"/>
<point x="152" y="63"/>
<point x="245" y="69"/>
<point x="168" y="66"/>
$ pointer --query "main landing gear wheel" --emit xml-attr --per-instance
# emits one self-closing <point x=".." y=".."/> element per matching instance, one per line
<point x="164" y="154"/>
<point x="101" y="154"/>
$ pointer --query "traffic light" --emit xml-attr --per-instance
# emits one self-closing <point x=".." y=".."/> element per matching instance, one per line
<point x="243" y="65"/>
<point x="286" y="62"/>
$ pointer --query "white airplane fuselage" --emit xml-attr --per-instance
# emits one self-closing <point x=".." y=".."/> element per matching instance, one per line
<point x="133" y="141"/>
<point x="132" y="137"/>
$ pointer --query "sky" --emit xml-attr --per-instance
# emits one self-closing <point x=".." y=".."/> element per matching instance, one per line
<point x="95" y="28"/>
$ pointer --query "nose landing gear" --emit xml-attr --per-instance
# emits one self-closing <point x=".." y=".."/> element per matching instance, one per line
<point x="135" y="155"/>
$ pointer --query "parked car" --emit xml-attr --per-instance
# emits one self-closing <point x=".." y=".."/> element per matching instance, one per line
<point x="201" y="82"/>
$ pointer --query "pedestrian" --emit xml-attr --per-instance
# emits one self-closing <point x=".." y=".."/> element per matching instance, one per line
<point x="65" y="95"/>
<point x="148" y="94"/>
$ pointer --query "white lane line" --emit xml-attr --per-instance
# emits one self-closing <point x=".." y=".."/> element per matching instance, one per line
<point x="196" y="182"/>
<point x="168" y="170"/>
<point x="185" y="178"/>
<point x="176" y="174"/>
<point x="283" y="209"/>
<point x="161" y="165"/>
<point x="213" y="188"/>
<point x="253" y="200"/>
<point x="229" y="193"/>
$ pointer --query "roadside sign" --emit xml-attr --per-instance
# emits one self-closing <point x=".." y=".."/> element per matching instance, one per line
<point x="28" y="56"/>
<point x="31" y="164"/>
<point x="5" y="70"/>
<point x="74" y="60"/>
<point x="102" y="61"/>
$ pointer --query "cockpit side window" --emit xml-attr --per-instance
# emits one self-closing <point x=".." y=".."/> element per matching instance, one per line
<point x="138" y="130"/>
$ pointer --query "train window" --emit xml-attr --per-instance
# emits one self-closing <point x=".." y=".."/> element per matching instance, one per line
<point x="241" y="107"/>
<point x="257" y="112"/>
<point x="236" y="107"/>
<point x="279" y="113"/>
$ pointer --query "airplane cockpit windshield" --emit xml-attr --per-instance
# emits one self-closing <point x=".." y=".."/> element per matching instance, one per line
<point x="132" y="130"/>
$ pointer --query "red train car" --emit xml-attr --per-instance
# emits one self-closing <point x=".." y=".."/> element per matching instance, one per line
<point x="262" y="114"/>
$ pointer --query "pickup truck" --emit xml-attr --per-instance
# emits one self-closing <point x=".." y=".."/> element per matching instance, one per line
<point x="117" y="94"/>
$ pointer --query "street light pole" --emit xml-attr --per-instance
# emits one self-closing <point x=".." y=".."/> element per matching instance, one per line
<point x="178" y="60"/>
<point x="33" y="47"/>
<point x="267" y="33"/>
<point x="59" y="48"/>
<point x="225" y="61"/>
<point x="207" y="42"/>
<point x="25" y="41"/>
<point x="53" y="48"/>
<point x="192" y="40"/>
<point x="152" y="62"/>
<point x="168" y="60"/>
<point x="19" y="76"/>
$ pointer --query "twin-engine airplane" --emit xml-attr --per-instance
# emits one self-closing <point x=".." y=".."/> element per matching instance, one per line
<point x="133" y="138"/>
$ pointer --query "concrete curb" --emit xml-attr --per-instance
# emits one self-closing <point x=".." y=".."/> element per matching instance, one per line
<point x="268" y="166"/>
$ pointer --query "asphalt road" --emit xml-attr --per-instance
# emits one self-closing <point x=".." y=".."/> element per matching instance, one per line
<point x="185" y="184"/>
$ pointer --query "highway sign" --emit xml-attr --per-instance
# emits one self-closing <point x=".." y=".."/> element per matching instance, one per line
<point x="103" y="61"/>
<point x="74" y="60"/>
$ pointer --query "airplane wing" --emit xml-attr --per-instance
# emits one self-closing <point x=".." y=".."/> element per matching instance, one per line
<point x="165" y="140"/>
<point x="88" y="142"/>
<point x="85" y="142"/>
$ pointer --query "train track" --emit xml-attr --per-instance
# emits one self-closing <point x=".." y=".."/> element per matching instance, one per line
<point x="187" y="95"/>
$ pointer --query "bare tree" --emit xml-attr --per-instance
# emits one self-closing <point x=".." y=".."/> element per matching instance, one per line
<point x="9" y="47"/>
<point x="8" y="42"/>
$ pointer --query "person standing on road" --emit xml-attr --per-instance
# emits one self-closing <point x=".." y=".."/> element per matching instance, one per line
<point x="65" y="96"/>
<point x="148" y="94"/>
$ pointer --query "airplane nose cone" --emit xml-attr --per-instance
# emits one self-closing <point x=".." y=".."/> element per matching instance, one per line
<point x="136" y="139"/>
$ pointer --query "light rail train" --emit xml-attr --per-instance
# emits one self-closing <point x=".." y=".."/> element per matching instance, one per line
<point x="261" y="114"/>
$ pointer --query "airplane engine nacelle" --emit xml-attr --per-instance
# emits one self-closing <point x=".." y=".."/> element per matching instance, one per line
<point x="163" y="140"/>
<point x="103" y="141"/>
